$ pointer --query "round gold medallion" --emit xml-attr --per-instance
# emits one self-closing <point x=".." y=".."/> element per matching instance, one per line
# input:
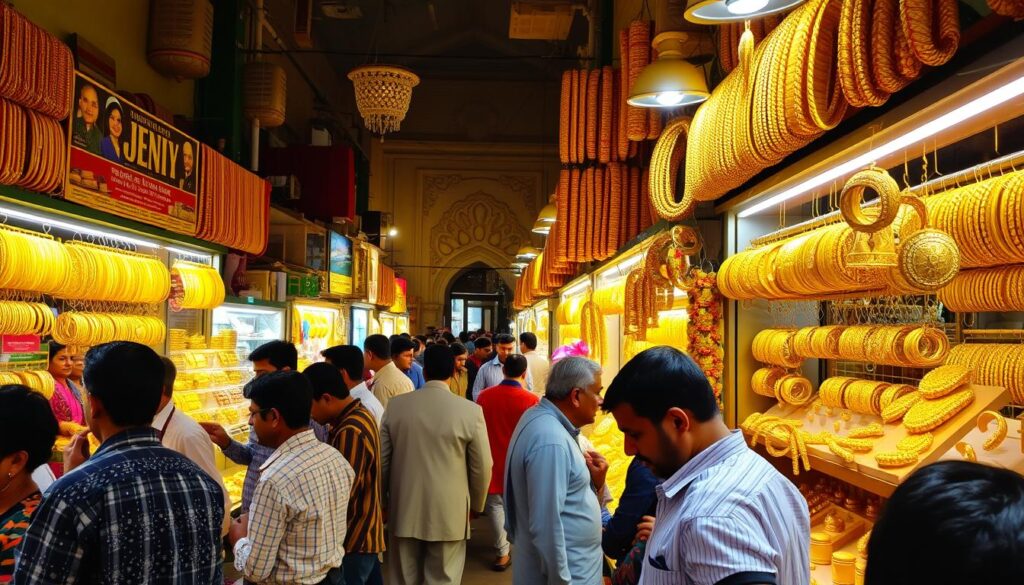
<point x="929" y="259"/>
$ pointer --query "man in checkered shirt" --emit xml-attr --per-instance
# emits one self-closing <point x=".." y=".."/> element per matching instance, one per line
<point x="294" y="532"/>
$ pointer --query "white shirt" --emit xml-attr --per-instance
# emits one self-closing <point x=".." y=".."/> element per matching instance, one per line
<point x="539" y="368"/>
<point x="491" y="374"/>
<point x="184" y="435"/>
<point x="390" y="382"/>
<point x="368" y="400"/>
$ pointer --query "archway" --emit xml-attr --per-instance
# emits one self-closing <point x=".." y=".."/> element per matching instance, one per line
<point x="477" y="298"/>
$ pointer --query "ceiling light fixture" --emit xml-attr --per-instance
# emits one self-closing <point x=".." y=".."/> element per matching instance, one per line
<point x="541" y="227"/>
<point x="955" y="116"/>
<point x="393" y="232"/>
<point x="527" y="253"/>
<point x="383" y="94"/>
<point x="723" y="11"/>
<point x="671" y="81"/>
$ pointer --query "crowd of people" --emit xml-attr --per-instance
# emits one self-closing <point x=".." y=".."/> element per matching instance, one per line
<point x="392" y="448"/>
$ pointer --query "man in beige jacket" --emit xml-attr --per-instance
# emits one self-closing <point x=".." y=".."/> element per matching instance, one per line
<point x="429" y="440"/>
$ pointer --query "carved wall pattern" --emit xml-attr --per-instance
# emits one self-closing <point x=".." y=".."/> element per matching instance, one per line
<point x="436" y="185"/>
<point x="475" y="221"/>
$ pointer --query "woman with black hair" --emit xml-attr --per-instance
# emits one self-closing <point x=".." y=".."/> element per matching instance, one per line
<point x="110" y="145"/>
<point x="29" y="432"/>
<point x="67" y="401"/>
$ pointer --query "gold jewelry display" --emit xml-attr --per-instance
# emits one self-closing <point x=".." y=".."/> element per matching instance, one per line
<point x="944" y="380"/>
<point x="917" y="444"/>
<point x="834" y="524"/>
<point x="843" y="568"/>
<point x="999" y="436"/>
<point x="899" y="407"/>
<point x="201" y="284"/>
<point x="19" y="318"/>
<point x="895" y="458"/>
<point x="993" y="364"/>
<point x="775" y="346"/>
<point x="90" y="329"/>
<point x="39" y="380"/>
<point x="821" y="548"/>
<point x="861" y="396"/>
<point x="987" y="289"/>
<point x="966" y="451"/>
<point x="666" y="160"/>
<point x="850" y="199"/>
<point x="926" y="415"/>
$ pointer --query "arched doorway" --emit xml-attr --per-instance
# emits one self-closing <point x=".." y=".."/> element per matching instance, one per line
<point x="477" y="298"/>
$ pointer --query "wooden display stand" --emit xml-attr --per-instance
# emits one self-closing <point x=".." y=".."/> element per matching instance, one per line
<point x="864" y="472"/>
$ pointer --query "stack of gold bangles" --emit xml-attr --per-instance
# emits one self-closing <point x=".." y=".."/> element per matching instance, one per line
<point x="787" y="388"/>
<point x="18" y="318"/>
<point x="95" y="328"/>
<point x="994" y="364"/>
<point x="201" y="284"/>
<point x="988" y="289"/>
<point x="109" y="274"/>
<point x="39" y="380"/>
<point x="862" y="396"/>
<point x="775" y="346"/>
<point x="894" y="345"/>
<point x="32" y="262"/>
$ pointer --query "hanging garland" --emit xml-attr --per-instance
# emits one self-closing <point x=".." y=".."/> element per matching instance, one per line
<point x="705" y="330"/>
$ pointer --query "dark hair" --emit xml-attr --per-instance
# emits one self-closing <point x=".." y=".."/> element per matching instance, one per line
<point x="458" y="349"/>
<point x="289" y="392"/>
<point x="515" y="366"/>
<point x="129" y="378"/>
<point x="482" y="343"/>
<point x="658" y="379"/>
<point x="326" y="379"/>
<point x="170" y="373"/>
<point x="55" y="348"/>
<point x="28" y="424"/>
<point x="503" y="339"/>
<point x="422" y="339"/>
<point x="951" y="522"/>
<point x="529" y="340"/>
<point x="418" y="344"/>
<point x="280" y="354"/>
<point x="405" y="335"/>
<point x="346" y="357"/>
<point x="464" y="337"/>
<point x="447" y="336"/>
<point x="401" y="345"/>
<point x="378" y="345"/>
<point x="106" y="117"/>
<point x="438" y="363"/>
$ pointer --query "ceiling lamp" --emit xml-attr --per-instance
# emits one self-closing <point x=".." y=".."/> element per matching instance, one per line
<point x="383" y="93"/>
<point x="527" y="253"/>
<point x="548" y="215"/>
<point x="671" y="81"/>
<point x="723" y="11"/>
<point x="541" y="227"/>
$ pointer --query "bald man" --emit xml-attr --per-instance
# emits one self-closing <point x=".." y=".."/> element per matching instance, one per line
<point x="85" y="133"/>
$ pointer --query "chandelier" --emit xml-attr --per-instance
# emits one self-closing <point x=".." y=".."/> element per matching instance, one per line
<point x="383" y="93"/>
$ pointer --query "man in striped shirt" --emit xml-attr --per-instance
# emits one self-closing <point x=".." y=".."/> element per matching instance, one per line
<point x="353" y="432"/>
<point x="296" y="533"/>
<point x="725" y="515"/>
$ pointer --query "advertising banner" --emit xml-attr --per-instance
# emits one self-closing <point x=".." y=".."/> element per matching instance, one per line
<point x="124" y="161"/>
<point x="340" y="265"/>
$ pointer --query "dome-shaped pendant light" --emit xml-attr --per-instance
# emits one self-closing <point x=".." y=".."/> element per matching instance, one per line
<point x="723" y="11"/>
<point x="671" y="81"/>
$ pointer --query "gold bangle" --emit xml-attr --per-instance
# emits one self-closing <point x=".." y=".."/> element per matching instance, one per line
<point x="1001" y="428"/>
<point x="852" y="195"/>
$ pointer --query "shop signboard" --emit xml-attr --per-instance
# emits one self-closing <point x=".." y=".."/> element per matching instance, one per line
<point x="339" y="279"/>
<point x="124" y="161"/>
<point x="401" y="286"/>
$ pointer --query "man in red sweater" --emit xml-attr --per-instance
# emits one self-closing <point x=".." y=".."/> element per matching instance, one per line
<point x="503" y="405"/>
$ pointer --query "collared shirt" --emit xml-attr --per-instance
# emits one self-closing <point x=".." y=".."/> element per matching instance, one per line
<point x="369" y="401"/>
<point x="728" y="513"/>
<point x="552" y="514"/>
<point x="503" y="406"/>
<point x="253" y="454"/>
<point x="298" y="516"/>
<point x="355" y="435"/>
<point x="183" y="434"/>
<point x="135" y="512"/>
<point x="539" y="368"/>
<point x="415" y="373"/>
<point x="491" y="374"/>
<point x="389" y="382"/>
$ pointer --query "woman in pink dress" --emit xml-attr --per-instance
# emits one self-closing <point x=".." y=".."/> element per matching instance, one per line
<point x="67" y="400"/>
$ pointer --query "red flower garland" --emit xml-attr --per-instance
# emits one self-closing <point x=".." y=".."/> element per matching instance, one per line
<point x="705" y="328"/>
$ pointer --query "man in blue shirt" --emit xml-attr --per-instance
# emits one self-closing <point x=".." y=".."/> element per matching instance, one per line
<point x="490" y="373"/>
<point x="551" y="505"/>
<point x="725" y="514"/>
<point x="135" y="511"/>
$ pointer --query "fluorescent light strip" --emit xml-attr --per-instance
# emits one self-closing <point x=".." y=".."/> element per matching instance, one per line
<point x="44" y="221"/>
<point x="184" y="252"/>
<point x="969" y="110"/>
<point x="576" y="288"/>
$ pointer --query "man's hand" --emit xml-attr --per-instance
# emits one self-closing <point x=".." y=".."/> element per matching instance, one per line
<point x="598" y="467"/>
<point x="217" y="434"/>
<point x="239" y="529"/>
<point x="77" y="451"/>
<point x="644" y="529"/>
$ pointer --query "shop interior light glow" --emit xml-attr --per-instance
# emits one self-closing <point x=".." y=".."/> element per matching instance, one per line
<point x="576" y="288"/>
<point x="78" y="228"/>
<point x="745" y="6"/>
<point x="969" y="110"/>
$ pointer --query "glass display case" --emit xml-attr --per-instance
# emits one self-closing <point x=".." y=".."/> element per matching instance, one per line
<point x="360" y="325"/>
<point x="253" y="324"/>
<point x="315" y="327"/>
